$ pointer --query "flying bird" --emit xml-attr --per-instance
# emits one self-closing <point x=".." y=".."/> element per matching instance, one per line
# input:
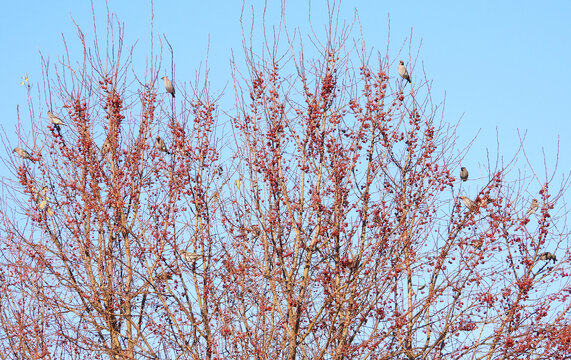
<point x="54" y="119"/>
<point x="403" y="72"/>
<point x="546" y="256"/>
<point x="463" y="173"/>
<point x="160" y="144"/>
<point x="533" y="207"/>
<point x="23" y="154"/>
<point x="168" y="85"/>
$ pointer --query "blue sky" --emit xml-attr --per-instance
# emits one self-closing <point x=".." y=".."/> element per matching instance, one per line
<point x="503" y="66"/>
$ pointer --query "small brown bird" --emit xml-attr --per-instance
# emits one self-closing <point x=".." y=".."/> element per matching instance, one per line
<point x="54" y="119"/>
<point x="23" y="154"/>
<point x="463" y="173"/>
<point x="403" y="72"/>
<point x="533" y="207"/>
<point x="256" y="231"/>
<point x="189" y="257"/>
<point x="469" y="203"/>
<point x="546" y="256"/>
<point x="106" y="147"/>
<point x="160" y="144"/>
<point x="477" y="243"/>
<point x="43" y="204"/>
<point x="483" y="202"/>
<point x="168" y="85"/>
<point x="164" y="276"/>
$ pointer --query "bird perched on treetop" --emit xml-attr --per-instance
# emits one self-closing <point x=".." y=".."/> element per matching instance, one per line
<point x="533" y="207"/>
<point x="160" y="144"/>
<point x="54" y="119"/>
<point x="463" y="173"/>
<point x="23" y="154"/>
<point x="168" y="85"/>
<point x="403" y="72"/>
<point x="546" y="256"/>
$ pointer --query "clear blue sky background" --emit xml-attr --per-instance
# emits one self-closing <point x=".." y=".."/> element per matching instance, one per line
<point x="503" y="65"/>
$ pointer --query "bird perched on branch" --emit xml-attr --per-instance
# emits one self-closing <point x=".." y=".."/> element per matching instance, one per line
<point x="256" y="231"/>
<point x="160" y="144"/>
<point x="189" y="257"/>
<point x="43" y="201"/>
<point x="403" y="72"/>
<point x="38" y="196"/>
<point x="168" y="85"/>
<point x="469" y="203"/>
<point x="463" y="173"/>
<point x="23" y="154"/>
<point x="546" y="256"/>
<point x="533" y="207"/>
<point x="106" y="147"/>
<point x="164" y="276"/>
<point x="55" y="119"/>
<point x="483" y="202"/>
